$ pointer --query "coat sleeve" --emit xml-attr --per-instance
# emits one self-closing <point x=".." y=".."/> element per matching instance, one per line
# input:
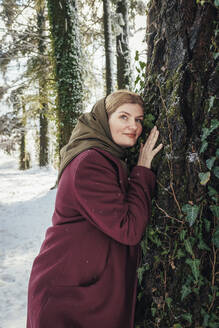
<point x="122" y="216"/>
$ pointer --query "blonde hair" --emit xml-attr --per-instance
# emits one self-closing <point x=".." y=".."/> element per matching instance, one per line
<point x="120" y="97"/>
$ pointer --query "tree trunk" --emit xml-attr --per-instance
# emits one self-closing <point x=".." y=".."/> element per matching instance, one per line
<point x="122" y="47"/>
<point x="43" y="156"/>
<point x="24" y="162"/>
<point x="68" y="70"/>
<point x="181" y="92"/>
<point x="41" y="20"/>
<point x="108" y="46"/>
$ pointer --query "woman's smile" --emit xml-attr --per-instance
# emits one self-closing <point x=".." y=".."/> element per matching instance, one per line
<point x="130" y="135"/>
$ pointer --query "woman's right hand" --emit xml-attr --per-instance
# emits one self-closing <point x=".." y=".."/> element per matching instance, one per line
<point x="147" y="151"/>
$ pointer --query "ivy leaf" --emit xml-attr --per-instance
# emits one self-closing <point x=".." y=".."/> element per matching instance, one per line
<point x="210" y="162"/>
<point x="136" y="55"/>
<point x="180" y="254"/>
<point x="215" y="210"/>
<point x="216" y="3"/>
<point x="140" y="294"/>
<point x="142" y="64"/>
<point x="150" y="117"/>
<point x="140" y="272"/>
<point x="217" y="152"/>
<point x="216" y="171"/>
<point x="153" y="311"/>
<point x="202" y="245"/>
<point x="206" y="317"/>
<point x="187" y="317"/>
<point x="137" y="79"/>
<point x="192" y="213"/>
<point x="169" y="301"/>
<point x="204" y="146"/>
<point x="211" y="102"/>
<point x="211" y="191"/>
<point x="182" y="234"/>
<point x="215" y="55"/>
<point x="205" y="133"/>
<point x="185" y="291"/>
<point x="194" y="265"/>
<point x="215" y="237"/>
<point x="204" y="177"/>
<point x="177" y="325"/>
<point x="214" y="125"/>
<point x="188" y="247"/>
<point x="207" y="225"/>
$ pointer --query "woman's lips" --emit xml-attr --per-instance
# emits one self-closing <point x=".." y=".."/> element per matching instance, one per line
<point x="130" y="135"/>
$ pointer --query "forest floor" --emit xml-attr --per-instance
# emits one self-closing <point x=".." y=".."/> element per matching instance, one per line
<point x="26" y="207"/>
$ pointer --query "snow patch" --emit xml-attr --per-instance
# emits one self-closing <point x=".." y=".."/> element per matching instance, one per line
<point x="26" y="208"/>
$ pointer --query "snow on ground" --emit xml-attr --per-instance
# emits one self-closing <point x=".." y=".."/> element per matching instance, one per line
<point x="26" y="207"/>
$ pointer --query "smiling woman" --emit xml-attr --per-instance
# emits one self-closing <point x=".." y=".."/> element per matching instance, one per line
<point x="126" y="124"/>
<point x="85" y="274"/>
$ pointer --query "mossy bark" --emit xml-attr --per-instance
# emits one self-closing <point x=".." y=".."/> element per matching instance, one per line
<point x="181" y="76"/>
<point x="108" y="43"/>
<point x="124" y="78"/>
<point x="24" y="160"/>
<point x="43" y="97"/>
<point x="68" y="70"/>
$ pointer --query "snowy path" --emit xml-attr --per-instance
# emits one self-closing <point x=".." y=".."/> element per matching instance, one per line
<point x="26" y="207"/>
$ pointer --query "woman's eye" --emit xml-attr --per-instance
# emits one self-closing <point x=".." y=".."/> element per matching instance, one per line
<point x="139" y="120"/>
<point x="124" y="117"/>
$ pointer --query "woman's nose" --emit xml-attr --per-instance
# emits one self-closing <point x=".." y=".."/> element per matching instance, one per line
<point x="133" y="125"/>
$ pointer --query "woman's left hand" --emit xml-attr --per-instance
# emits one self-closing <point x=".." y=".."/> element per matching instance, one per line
<point x="147" y="151"/>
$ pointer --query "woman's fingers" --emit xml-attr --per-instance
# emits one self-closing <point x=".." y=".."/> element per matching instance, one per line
<point x="152" y="139"/>
<point x="147" y="151"/>
<point x="157" y="149"/>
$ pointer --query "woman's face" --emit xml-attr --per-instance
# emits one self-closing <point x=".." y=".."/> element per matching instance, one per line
<point x="126" y="124"/>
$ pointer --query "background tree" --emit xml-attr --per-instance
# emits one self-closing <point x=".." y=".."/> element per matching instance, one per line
<point x="26" y="43"/>
<point x="68" y="71"/>
<point x="181" y="95"/>
<point x="24" y="162"/>
<point x="93" y="54"/>
<point x="108" y="46"/>
<point x="43" y="76"/>
<point x="124" y="78"/>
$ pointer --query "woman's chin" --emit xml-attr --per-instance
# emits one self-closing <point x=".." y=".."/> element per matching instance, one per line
<point x="127" y="145"/>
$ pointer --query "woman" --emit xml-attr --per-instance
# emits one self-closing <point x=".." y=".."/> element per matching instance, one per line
<point x="85" y="273"/>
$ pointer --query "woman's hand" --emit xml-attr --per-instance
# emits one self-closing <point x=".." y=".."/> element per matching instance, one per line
<point x="147" y="151"/>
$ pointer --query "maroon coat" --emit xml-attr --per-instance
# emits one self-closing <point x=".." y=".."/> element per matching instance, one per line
<point x="85" y="273"/>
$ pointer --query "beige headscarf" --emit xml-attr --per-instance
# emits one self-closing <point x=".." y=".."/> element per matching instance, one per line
<point x="91" y="131"/>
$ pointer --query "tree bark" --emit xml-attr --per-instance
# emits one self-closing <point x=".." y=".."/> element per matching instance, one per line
<point x="124" y="80"/>
<point x="24" y="162"/>
<point x="108" y="46"/>
<point x="68" y="70"/>
<point x="181" y="91"/>
<point x="43" y="121"/>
